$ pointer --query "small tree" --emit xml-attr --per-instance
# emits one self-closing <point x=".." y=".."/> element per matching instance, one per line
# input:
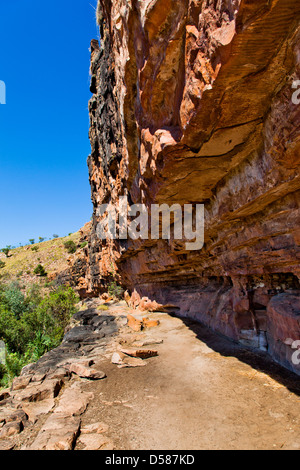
<point x="32" y="241"/>
<point x="55" y="235"/>
<point x="6" y="250"/>
<point x="41" y="239"/>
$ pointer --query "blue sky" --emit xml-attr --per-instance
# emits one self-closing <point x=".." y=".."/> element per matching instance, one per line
<point x="44" y="62"/>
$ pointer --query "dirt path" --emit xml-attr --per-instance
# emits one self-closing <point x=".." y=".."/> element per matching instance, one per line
<point x="192" y="397"/>
<point x="201" y="392"/>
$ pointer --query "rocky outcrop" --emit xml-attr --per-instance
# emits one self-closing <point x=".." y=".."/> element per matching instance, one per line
<point x="43" y="409"/>
<point x="192" y="103"/>
<point x="75" y="274"/>
<point x="46" y="407"/>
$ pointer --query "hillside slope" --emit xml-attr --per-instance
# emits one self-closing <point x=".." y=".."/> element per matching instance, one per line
<point x="55" y="258"/>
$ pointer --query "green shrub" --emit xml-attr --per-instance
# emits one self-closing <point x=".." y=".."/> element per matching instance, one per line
<point x="6" y="251"/>
<point x="2" y="371"/>
<point x="31" y="324"/>
<point x="14" y="332"/>
<point x="35" y="248"/>
<point x="70" y="246"/>
<point x="83" y="245"/>
<point x="104" y="308"/>
<point x="40" y="271"/>
<point x="14" y="299"/>
<point x="115" y="290"/>
<point x="33" y="297"/>
<point x="2" y="264"/>
<point x="60" y="305"/>
<point x="14" y="364"/>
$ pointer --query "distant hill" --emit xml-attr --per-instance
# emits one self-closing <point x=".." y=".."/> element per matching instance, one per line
<point x="56" y="256"/>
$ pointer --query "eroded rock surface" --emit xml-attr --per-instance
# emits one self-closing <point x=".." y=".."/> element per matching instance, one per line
<point x="192" y="103"/>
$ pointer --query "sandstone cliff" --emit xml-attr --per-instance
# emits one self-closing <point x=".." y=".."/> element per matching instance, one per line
<point x="192" y="103"/>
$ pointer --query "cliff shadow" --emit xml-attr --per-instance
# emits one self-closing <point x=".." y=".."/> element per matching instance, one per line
<point x="258" y="360"/>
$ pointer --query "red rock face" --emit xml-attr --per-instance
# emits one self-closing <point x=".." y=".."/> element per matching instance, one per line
<point x="193" y="104"/>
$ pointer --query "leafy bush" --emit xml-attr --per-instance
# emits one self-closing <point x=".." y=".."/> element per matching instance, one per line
<point x="35" y="248"/>
<point x="60" y="305"/>
<point x="14" y="299"/>
<point x="6" y="251"/>
<point x="70" y="246"/>
<point x="115" y="290"/>
<point x="14" y="365"/>
<point x="40" y="271"/>
<point x="2" y="264"/>
<point x="32" y="324"/>
<point x="2" y="371"/>
<point x="83" y="245"/>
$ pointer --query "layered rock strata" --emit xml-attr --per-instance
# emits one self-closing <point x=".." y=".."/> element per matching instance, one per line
<point x="193" y="102"/>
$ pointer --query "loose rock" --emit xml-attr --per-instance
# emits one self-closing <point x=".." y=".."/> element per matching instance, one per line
<point x="96" y="442"/>
<point x="34" y="393"/>
<point x="11" y="429"/>
<point x="73" y="401"/>
<point x="97" y="428"/>
<point x="34" y="410"/>
<point x="58" y="433"/>
<point x="134" y="324"/>
<point x="142" y="353"/>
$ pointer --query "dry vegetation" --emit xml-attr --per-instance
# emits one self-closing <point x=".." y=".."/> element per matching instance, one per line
<point x="22" y="262"/>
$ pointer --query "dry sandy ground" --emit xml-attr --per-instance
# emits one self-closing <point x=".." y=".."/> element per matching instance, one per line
<point x="201" y="392"/>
